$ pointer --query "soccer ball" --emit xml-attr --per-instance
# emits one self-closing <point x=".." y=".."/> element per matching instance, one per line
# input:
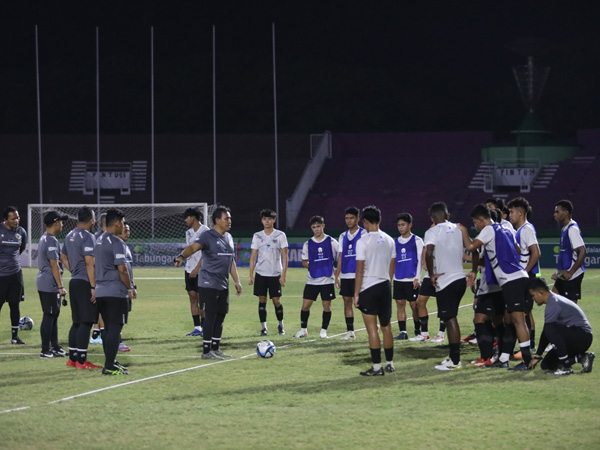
<point x="265" y="349"/>
<point x="25" y="323"/>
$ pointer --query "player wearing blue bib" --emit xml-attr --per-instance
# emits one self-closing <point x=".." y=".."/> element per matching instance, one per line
<point x="570" y="267"/>
<point x="346" y="266"/>
<point x="318" y="255"/>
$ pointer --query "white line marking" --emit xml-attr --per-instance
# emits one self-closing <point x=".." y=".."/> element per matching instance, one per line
<point x="16" y="409"/>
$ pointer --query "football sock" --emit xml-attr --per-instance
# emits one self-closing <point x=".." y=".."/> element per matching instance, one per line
<point x="73" y="338"/>
<point x="304" y="318"/>
<point x="389" y="354"/>
<point x="509" y="339"/>
<point x="402" y="325"/>
<point x="82" y="339"/>
<point x="279" y="313"/>
<point x="196" y="319"/>
<point x="72" y="354"/>
<point x="206" y="346"/>
<point x="525" y="351"/>
<point x="95" y="333"/>
<point x="424" y="324"/>
<point x="215" y="343"/>
<point x="532" y="337"/>
<point x="217" y="331"/>
<point x="264" y="325"/>
<point x="14" y="331"/>
<point x="485" y="340"/>
<point x="455" y="353"/>
<point x="81" y="356"/>
<point x="202" y="321"/>
<point x="350" y="323"/>
<point x="500" y="337"/>
<point x="376" y="356"/>
<point x="417" y="323"/>
<point x="442" y="326"/>
<point x="15" y="318"/>
<point x="326" y="319"/>
<point x="111" y="339"/>
<point x="262" y="312"/>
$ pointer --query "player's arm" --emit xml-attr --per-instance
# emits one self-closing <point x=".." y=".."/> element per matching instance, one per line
<point x="360" y="274"/>
<point x="392" y="269"/>
<point x="253" y="256"/>
<point x="55" y="268"/>
<point x="429" y="248"/>
<point x="91" y="273"/>
<point x="581" y="254"/>
<point x="284" y="264"/>
<point x="65" y="260"/>
<point x="417" y="279"/>
<point x="338" y="270"/>
<point x="187" y="252"/>
<point x="23" y="242"/>
<point x="534" y="256"/>
<point x="236" y="279"/>
<point x="195" y="270"/>
<point x="125" y="279"/>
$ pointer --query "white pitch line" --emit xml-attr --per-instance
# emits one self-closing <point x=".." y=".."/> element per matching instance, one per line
<point x="16" y="409"/>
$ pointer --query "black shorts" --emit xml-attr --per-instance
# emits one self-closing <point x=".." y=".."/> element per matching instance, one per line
<point x="215" y="301"/>
<point x="263" y="284"/>
<point x="515" y="294"/>
<point x="448" y="299"/>
<point x="427" y="289"/>
<point x="404" y="290"/>
<point x="570" y="288"/>
<point x="82" y="309"/>
<point x="347" y="286"/>
<point x="50" y="302"/>
<point x="11" y="288"/>
<point x="113" y="309"/>
<point x="377" y="301"/>
<point x="191" y="284"/>
<point x="312" y="291"/>
<point x="490" y="304"/>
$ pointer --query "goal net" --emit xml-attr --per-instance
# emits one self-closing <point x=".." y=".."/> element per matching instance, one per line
<point x="157" y="230"/>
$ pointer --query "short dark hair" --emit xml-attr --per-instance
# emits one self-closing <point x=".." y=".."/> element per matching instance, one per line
<point x="218" y="212"/>
<point x="371" y="214"/>
<point x="8" y="210"/>
<point x="406" y="217"/>
<point x="480" y="210"/>
<point x="352" y="210"/>
<point x="113" y="216"/>
<point x="268" y="213"/>
<point x="496" y="215"/>
<point x="85" y="214"/>
<point x="438" y="209"/>
<point x="520" y="202"/>
<point x="566" y="205"/>
<point x="193" y="212"/>
<point x="316" y="219"/>
<point x="538" y="284"/>
<point x="497" y="201"/>
<point x="103" y="218"/>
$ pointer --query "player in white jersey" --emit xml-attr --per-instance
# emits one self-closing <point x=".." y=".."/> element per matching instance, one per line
<point x="270" y="259"/>
<point x="444" y="256"/>
<point x="318" y="256"/>
<point x="499" y="204"/>
<point x="193" y="219"/>
<point x="346" y="266"/>
<point x="375" y="262"/>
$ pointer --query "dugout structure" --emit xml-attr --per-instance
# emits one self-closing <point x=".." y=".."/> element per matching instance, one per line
<point x="160" y="223"/>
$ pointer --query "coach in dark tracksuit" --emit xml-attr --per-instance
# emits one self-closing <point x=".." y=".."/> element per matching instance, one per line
<point x="565" y="327"/>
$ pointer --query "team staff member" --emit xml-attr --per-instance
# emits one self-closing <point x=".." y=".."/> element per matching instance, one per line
<point x="346" y="266"/>
<point x="113" y="287"/>
<point x="125" y="235"/>
<point x="565" y="327"/>
<point x="570" y="267"/>
<point x="98" y="328"/>
<point x="192" y="218"/>
<point x="270" y="257"/>
<point x="375" y="260"/>
<point x="49" y="284"/>
<point x="78" y="257"/>
<point x="12" y="244"/>
<point x="218" y="261"/>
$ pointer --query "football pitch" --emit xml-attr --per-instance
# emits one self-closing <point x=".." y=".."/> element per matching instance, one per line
<point x="309" y="395"/>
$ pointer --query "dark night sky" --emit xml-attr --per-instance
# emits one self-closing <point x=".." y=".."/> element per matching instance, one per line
<point x="341" y="65"/>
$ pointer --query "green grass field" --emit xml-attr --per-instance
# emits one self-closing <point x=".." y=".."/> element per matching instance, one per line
<point x="308" y="396"/>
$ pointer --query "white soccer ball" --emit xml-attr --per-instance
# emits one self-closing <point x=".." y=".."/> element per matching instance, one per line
<point x="25" y="323"/>
<point x="265" y="349"/>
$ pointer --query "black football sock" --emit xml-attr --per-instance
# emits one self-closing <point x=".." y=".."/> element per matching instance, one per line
<point x="196" y="319"/>
<point x="262" y="312"/>
<point x="455" y="353"/>
<point x="46" y="332"/>
<point x="389" y="354"/>
<point x="73" y="342"/>
<point x="83" y="340"/>
<point x="424" y="324"/>
<point x="350" y="323"/>
<point x="112" y="336"/>
<point x="15" y="317"/>
<point x="402" y="325"/>
<point x="532" y="337"/>
<point x="304" y="318"/>
<point x="95" y="333"/>
<point x="326" y="319"/>
<point x="485" y="341"/>
<point x="442" y="326"/>
<point x="202" y="321"/>
<point x="14" y="331"/>
<point x="217" y="331"/>
<point x="376" y="355"/>
<point x="417" y="323"/>
<point x="279" y="312"/>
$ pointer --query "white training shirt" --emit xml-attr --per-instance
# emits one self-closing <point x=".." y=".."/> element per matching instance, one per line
<point x="419" y="244"/>
<point x="335" y="248"/>
<point x="527" y="238"/>
<point x="488" y="237"/>
<point x="576" y="242"/>
<point x="351" y="236"/>
<point x="269" y="247"/>
<point x="447" y="254"/>
<point x="190" y="238"/>
<point x="377" y="250"/>
<point x="507" y="224"/>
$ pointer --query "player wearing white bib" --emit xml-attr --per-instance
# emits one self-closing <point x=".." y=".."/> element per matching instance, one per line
<point x="346" y="267"/>
<point x="270" y="259"/>
<point x="444" y="256"/>
<point x="375" y="261"/>
<point x="193" y="218"/>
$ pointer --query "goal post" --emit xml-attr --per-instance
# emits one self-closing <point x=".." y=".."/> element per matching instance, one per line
<point x="157" y="226"/>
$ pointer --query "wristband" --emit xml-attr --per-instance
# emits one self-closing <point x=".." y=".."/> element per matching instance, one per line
<point x="93" y="287"/>
<point x="134" y="286"/>
<point x="60" y="287"/>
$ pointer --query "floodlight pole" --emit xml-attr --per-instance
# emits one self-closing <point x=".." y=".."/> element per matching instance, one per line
<point x="275" y="119"/>
<point x="37" y="83"/>
<point x="98" y="113"/>
<point x="152" y="119"/>
<point x="214" y="119"/>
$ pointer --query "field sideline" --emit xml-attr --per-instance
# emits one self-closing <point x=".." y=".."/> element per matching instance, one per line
<point x="308" y="396"/>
